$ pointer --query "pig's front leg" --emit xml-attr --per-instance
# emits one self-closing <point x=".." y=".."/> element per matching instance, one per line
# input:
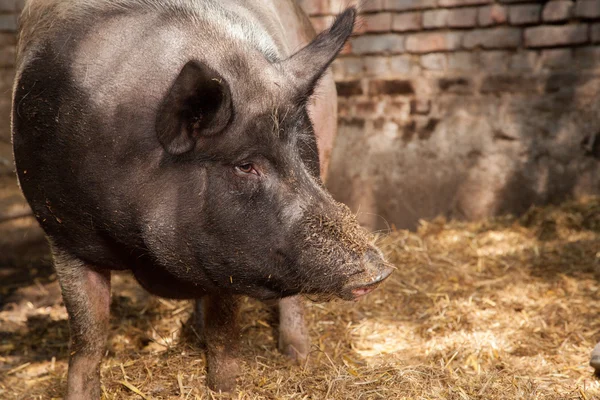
<point x="595" y="359"/>
<point x="86" y="294"/>
<point x="293" y="333"/>
<point x="222" y="337"/>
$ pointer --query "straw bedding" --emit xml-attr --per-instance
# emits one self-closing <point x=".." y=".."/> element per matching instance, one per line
<point x="499" y="309"/>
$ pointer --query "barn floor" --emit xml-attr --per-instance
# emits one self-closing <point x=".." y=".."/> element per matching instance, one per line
<point x="500" y="309"/>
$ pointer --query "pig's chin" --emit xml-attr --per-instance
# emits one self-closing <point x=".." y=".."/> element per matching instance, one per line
<point x="265" y="293"/>
<point x="347" y="294"/>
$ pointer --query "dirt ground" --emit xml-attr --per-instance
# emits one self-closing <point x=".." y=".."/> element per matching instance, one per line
<point x="499" y="309"/>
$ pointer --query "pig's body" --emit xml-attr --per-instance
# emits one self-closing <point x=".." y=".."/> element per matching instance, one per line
<point x="172" y="138"/>
<point x="110" y="72"/>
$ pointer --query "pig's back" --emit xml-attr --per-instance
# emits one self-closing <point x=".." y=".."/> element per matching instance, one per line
<point x="282" y="20"/>
<point x="128" y="52"/>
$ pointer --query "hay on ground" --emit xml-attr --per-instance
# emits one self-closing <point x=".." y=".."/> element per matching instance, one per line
<point x="500" y="309"/>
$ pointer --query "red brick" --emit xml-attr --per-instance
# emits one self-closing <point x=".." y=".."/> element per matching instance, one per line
<point x="401" y="64"/>
<point x="587" y="8"/>
<point x="420" y="107"/>
<point x="380" y="22"/>
<point x="7" y="57"/>
<point x="377" y="65"/>
<point x="495" y="38"/>
<point x="418" y="127"/>
<point x="435" y="19"/>
<point x="347" y="49"/>
<point x="431" y="42"/>
<point x="463" y="61"/>
<point x="524" y="61"/>
<point x="349" y="88"/>
<point x="509" y="83"/>
<point x="595" y="33"/>
<point x="458" y="85"/>
<point x="524" y="14"/>
<point x="391" y="87"/>
<point x="369" y="44"/>
<point x="367" y="108"/>
<point x="550" y="36"/>
<point x="344" y="107"/>
<point x="350" y="66"/>
<point x="587" y="57"/>
<point x="8" y="23"/>
<point x="434" y="61"/>
<point x="557" y="58"/>
<point x="562" y="80"/>
<point x="372" y="5"/>
<point x="7" y="77"/>
<point x="494" y="61"/>
<point x="514" y="1"/>
<point x="354" y="123"/>
<point x="462" y="18"/>
<point x="395" y="107"/>
<point x="406" y="5"/>
<point x="460" y="3"/>
<point x="411" y="21"/>
<point x="492" y="15"/>
<point x="8" y="6"/>
<point x="555" y="11"/>
<point x="7" y="39"/>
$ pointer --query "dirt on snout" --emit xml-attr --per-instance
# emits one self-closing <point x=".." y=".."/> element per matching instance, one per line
<point x="501" y="309"/>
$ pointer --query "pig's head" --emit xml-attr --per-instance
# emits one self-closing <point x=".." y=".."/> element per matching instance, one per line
<point x="258" y="220"/>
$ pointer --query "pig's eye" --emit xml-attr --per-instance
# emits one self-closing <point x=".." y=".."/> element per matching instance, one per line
<point x="247" y="169"/>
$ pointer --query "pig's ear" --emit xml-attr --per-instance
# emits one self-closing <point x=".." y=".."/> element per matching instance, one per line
<point x="308" y="65"/>
<point x="198" y="104"/>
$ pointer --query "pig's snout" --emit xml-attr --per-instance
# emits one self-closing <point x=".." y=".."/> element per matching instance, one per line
<point x="375" y="271"/>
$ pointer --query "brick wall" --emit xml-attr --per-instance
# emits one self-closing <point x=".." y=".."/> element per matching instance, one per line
<point x="8" y="26"/>
<point x="465" y="108"/>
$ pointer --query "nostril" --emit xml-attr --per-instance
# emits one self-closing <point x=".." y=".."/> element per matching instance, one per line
<point x="360" y="289"/>
<point x="375" y="266"/>
<point x="373" y="256"/>
<point x="374" y="271"/>
<point x="387" y="270"/>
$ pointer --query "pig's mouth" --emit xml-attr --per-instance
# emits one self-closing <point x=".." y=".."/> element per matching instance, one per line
<point x="355" y="291"/>
<point x="359" y="292"/>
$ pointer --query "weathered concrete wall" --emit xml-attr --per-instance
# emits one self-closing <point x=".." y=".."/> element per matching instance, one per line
<point x="465" y="108"/>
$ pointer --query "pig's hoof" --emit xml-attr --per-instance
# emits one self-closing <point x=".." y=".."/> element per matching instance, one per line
<point x="222" y="384"/>
<point x="595" y="359"/>
<point x="294" y="345"/>
<point x="223" y="378"/>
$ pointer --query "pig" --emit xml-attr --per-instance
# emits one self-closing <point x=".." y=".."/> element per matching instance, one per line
<point x="595" y="359"/>
<point x="179" y="140"/>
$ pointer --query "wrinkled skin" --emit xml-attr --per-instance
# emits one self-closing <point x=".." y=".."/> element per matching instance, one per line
<point x="142" y="145"/>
